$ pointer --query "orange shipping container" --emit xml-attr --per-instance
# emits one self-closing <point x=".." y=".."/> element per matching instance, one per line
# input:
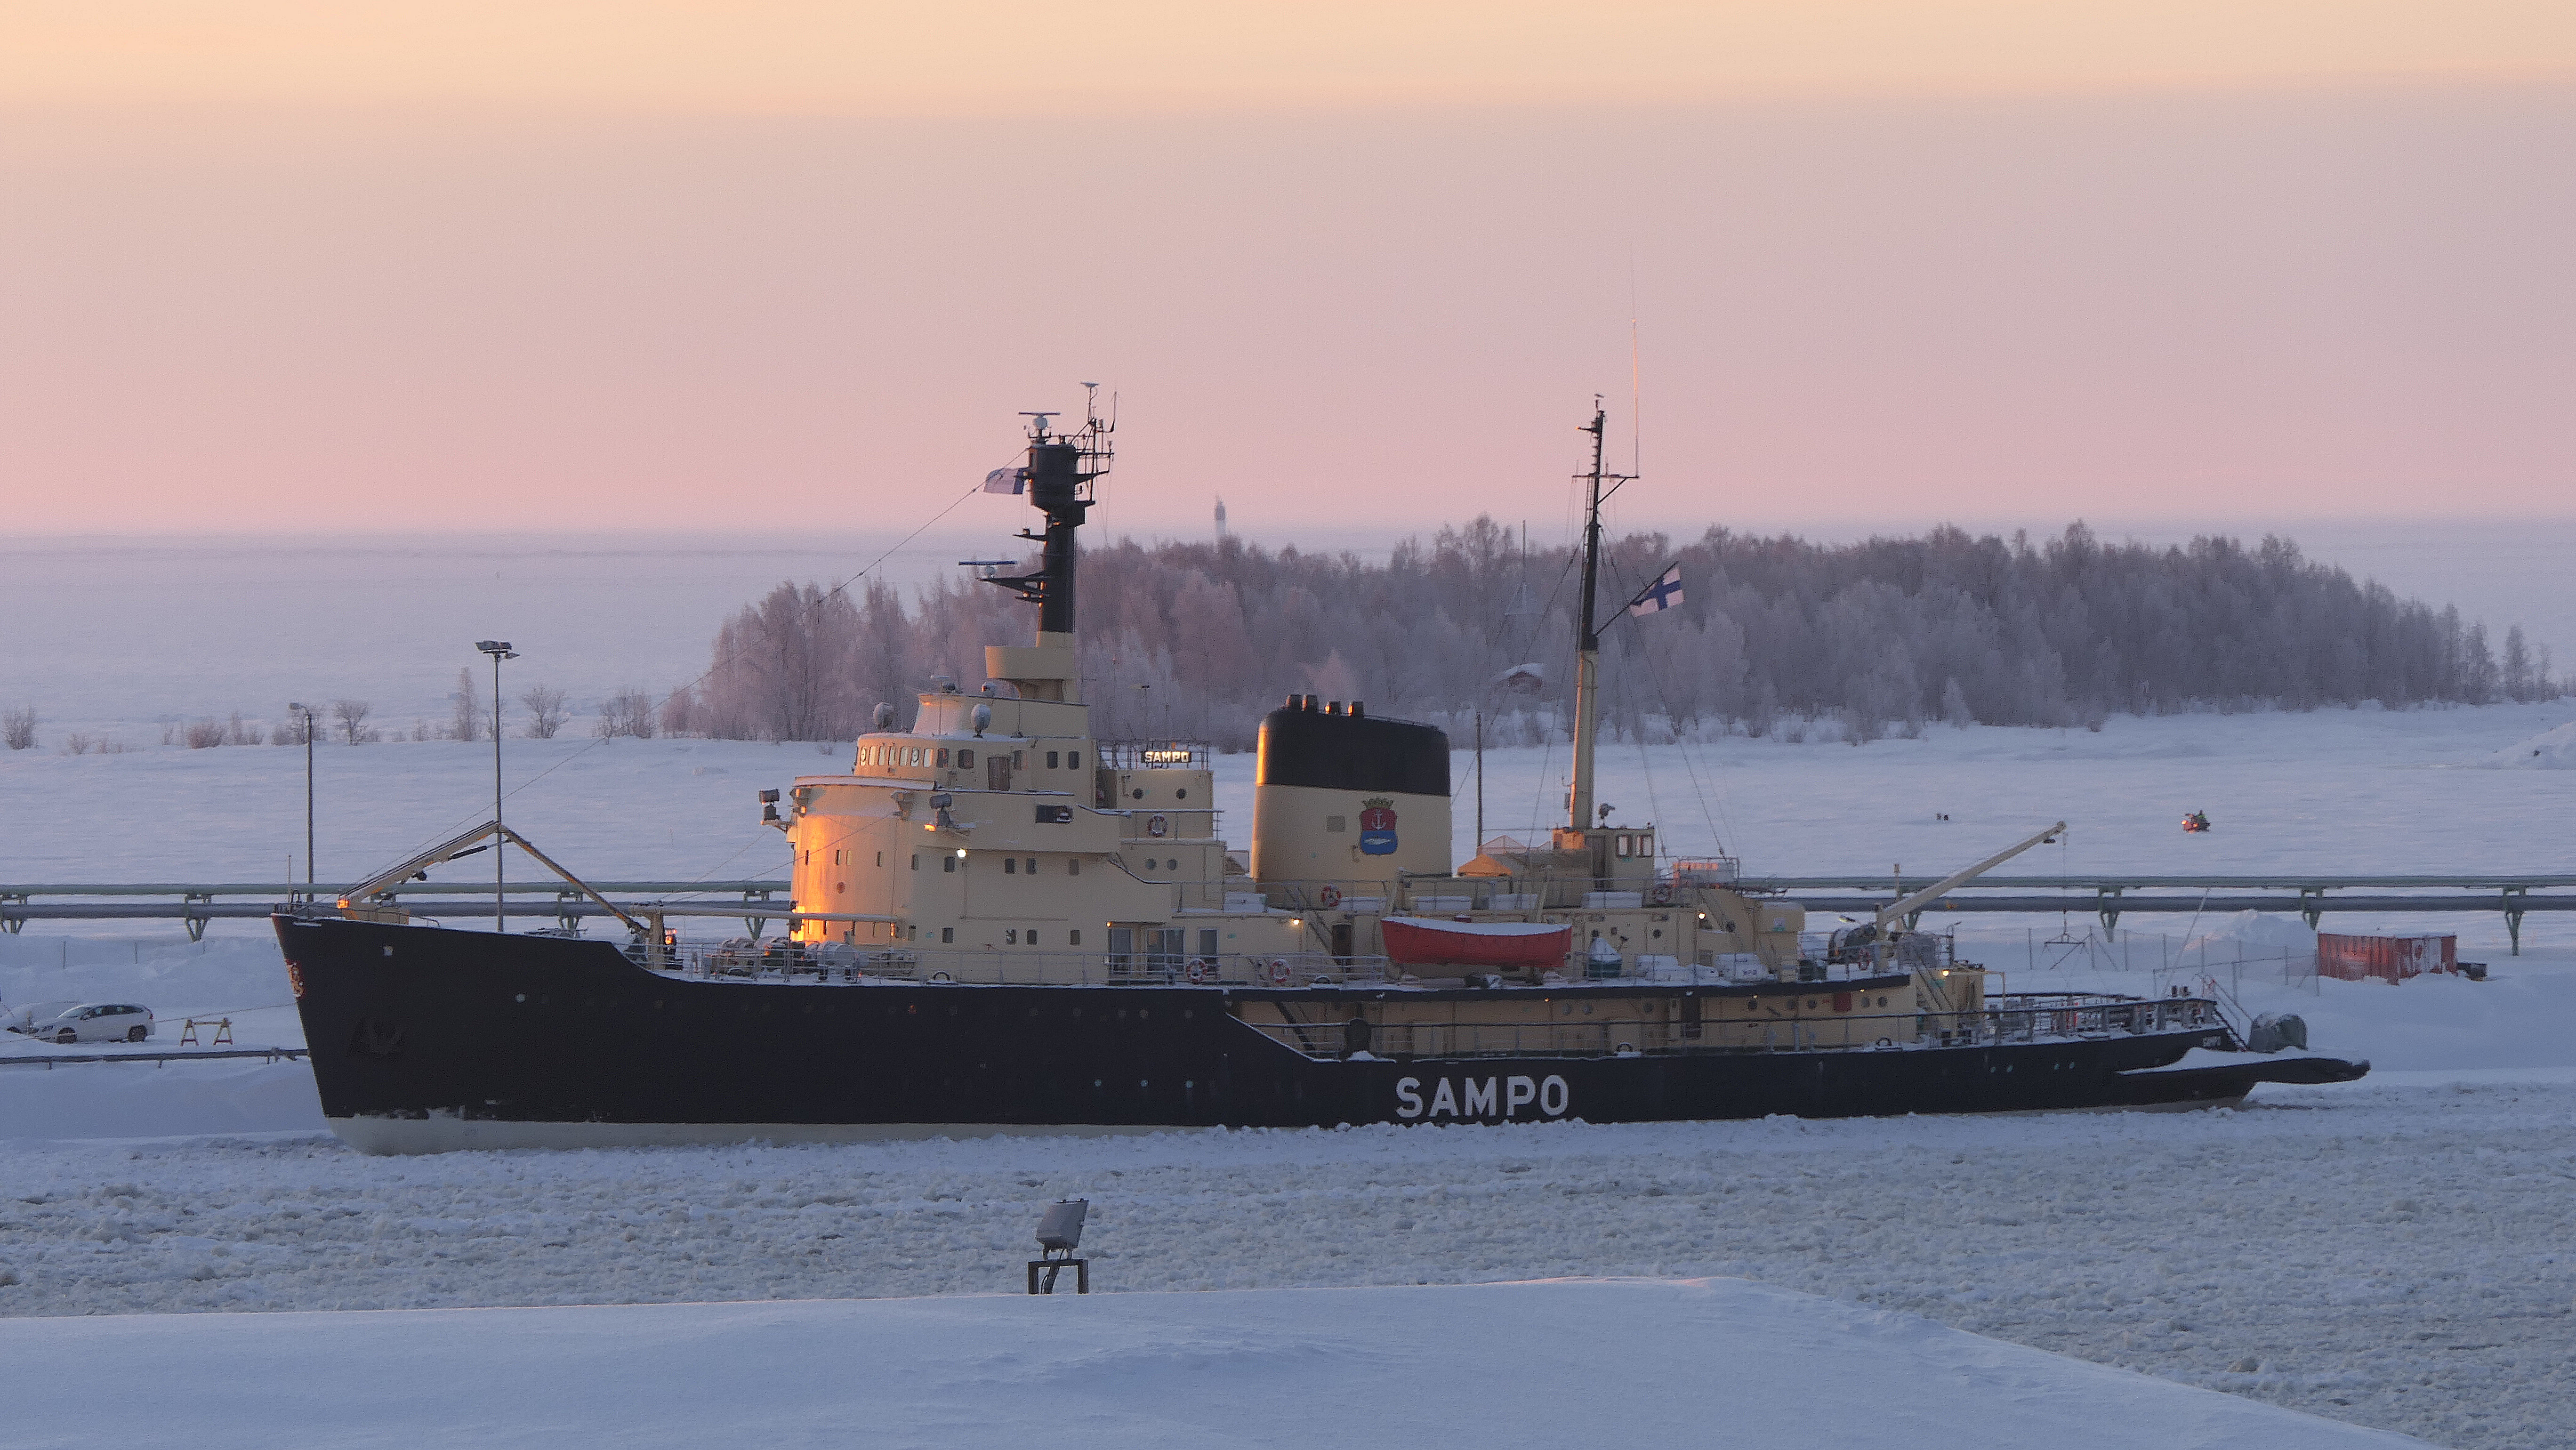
<point x="2384" y="958"/>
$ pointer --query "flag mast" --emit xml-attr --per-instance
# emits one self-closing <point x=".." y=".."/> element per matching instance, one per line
<point x="1587" y="635"/>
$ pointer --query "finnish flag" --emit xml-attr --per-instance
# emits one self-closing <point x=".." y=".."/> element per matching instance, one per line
<point x="1006" y="480"/>
<point x="1663" y="594"/>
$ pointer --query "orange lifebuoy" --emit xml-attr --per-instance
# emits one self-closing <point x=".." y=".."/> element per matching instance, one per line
<point x="1329" y="897"/>
<point x="1156" y="826"/>
<point x="1279" y="973"/>
<point x="1663" y="893"/>
<point x="1197" y="970"/>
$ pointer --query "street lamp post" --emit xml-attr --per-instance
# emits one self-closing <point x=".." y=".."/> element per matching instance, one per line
<point x="307" y="712"/>
<point x="499" y="650"/>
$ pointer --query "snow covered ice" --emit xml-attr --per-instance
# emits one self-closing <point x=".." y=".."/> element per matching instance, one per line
<point x="1507" y="1366"/>
<point x="2389" y="1253"/>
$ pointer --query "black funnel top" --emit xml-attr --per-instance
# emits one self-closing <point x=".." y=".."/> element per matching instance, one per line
<point x="1305" y="746"/>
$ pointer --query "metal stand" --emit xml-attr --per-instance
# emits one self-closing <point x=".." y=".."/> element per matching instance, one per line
<point x="1081" y="1274"/>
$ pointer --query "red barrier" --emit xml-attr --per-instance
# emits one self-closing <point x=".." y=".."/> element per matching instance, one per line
<point x="2384" y="958"/>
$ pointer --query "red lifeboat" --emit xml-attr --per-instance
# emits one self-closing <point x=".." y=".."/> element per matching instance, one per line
<point x="1420" y="941"/>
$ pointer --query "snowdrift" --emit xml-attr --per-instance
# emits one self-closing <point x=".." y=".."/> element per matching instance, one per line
<point x="1501" y="1366"/>
<point x="2254" y="933"/>
<point x="2548" y="750"/>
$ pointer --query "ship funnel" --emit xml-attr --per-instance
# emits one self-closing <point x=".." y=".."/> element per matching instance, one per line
<point x="1346" y="799"/>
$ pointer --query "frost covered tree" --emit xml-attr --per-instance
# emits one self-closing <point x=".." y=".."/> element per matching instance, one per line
<point x="545" y="706"/>
<point x="351" y="715"/>
<point x="466" y="721"/>
<point x="1201" y="638"/>
<point x="2515" y="670"/>
<point x="18" y="728"/>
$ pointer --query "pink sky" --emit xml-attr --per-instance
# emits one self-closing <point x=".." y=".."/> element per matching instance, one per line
<point x="267" y="267"/>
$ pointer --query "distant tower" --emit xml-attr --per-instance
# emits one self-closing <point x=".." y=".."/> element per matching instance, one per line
<point x="1220" y="516"/>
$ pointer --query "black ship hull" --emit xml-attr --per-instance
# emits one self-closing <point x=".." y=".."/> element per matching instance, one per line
<point x="425" y="1039"/>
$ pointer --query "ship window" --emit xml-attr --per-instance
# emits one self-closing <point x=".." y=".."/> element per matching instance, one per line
<point x="1077" y="936"/>
<point x="809" y="858"/>
<point x="916" y="860"/>
<point x="1033" y="865"/>
<point x="1011" y="937"/>
<point x="1073" y="867"/>
<point x="948" y="933"/>
<point x="965" y="760"/>
<point x="1051" y="758"/>
<point x="948" y="864"/>
<point x="1627" y="845"/>
<point x="943" y="757"/>
<point x="1010" y="865"/>
<point x="1207" y="941"/>
<point x="1018" y="760"/>
<point x="915" y="753"/>
<point x="1182" y="794"/>
<point x="881" y="858"/>
<point x="1073" y="760"/>
<point x="1337" y="823"/>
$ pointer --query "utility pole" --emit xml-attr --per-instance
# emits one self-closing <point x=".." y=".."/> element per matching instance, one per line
<point x="499" y="650"/>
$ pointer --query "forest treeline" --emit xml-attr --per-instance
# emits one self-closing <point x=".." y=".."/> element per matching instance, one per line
<point x="1775" y="634"/>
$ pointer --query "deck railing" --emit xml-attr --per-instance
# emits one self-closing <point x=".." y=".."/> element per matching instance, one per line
<point x="2022" y="1018"/>
<point x="784" y="961"/>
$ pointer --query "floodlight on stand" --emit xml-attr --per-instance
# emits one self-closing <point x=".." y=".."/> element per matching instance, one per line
<point x="1059" y="1234"/>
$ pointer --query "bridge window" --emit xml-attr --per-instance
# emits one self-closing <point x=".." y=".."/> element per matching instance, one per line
<point x="948" y="863"/>
<point x="948" y="933"/>
<point x="1627" y="845"/>
<point x="1077" y="936"/>
<point x="1051" y="755"/>
<point x="965" y="760"/>
<point x="1073" y="867"/>
<point x="943" y="757"/>
<point x="1018" y="762"/>
<point x="1073" y="760"/>
<point x="1010" y="865"/>
<point x="1011" y="937"/>
<point x="1033" y="865"/>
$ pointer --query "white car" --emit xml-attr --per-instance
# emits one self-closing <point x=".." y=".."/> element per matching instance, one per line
<point x="24" y="1019"/>
<point x="95" y="1022"/>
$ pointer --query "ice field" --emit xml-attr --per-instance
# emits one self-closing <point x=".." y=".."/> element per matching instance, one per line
<point x="1506" y="1366"/>
<point x="2389" y="1253"/>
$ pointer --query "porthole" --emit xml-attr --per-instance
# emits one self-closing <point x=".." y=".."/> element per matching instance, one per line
<point x="1139" y="792"/>
<point x="1182" y="794"/>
